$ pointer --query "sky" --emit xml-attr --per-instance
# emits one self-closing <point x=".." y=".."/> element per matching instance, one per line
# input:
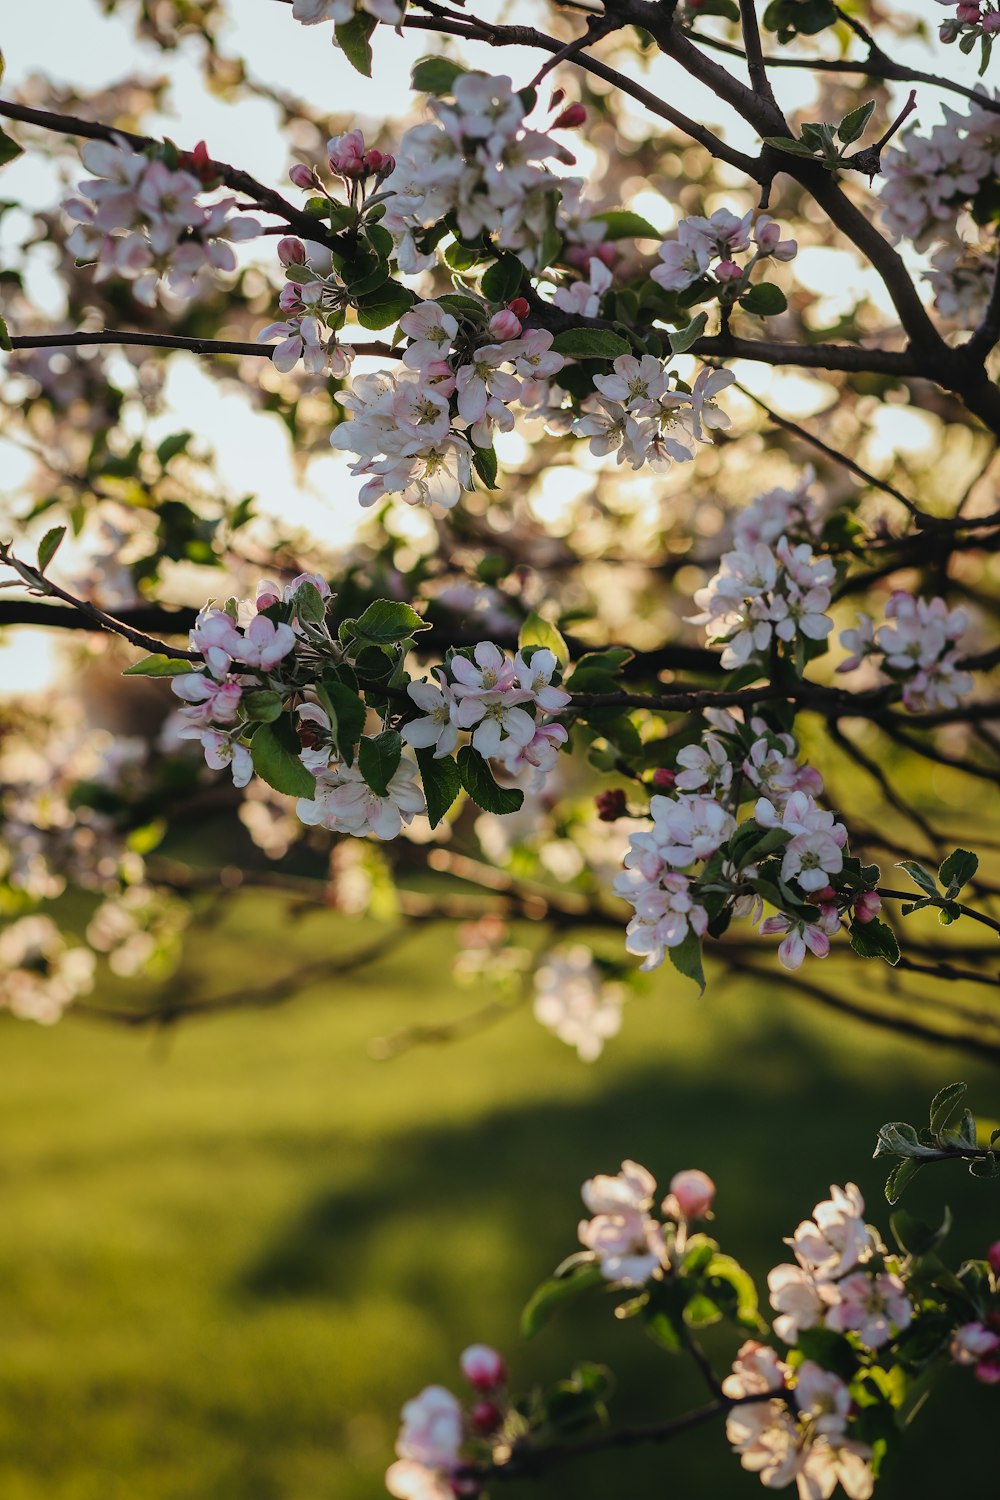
<point x="71" y="41"/>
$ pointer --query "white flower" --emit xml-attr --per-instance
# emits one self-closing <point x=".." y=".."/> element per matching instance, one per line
<point x="637" y="383"/>
<point x="432" y="331"/>
<point x="876" y="1308"/>
<point x="535" y="677"/>
<point x="573" y="1002"/>
<point x="625" y="1239"/>
<point x="432" y="1428"/>
<point x="223" y="750"/>
<point x="345" y="803"/>
<point x="688" y="829"/>
<point x="798" y="1300"/>
<point x="972" y="1342"/>
<point x="39" y="975"/>
<point x="437" y="726"/>
<point x="836" y="1238"/>
<point x="815" y="850"/>
<point x="265" y="644"/>
<point x="584" y="297"/>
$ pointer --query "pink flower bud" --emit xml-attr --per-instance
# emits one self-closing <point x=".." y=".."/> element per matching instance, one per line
<point x="303" y="176"/>
<point x="485" y="1417"/>
<point x="265" y="601"/>
<point x="291" y="251"/>
<point x="611" y="805"/>
<point x="993" y="1256"/>
<point x="607" y="253"/>
<point x="483" y="1367"/>
<point x="290" y="297"/>
<point x="987" y="1372"/>
<point x="991" y="22"/>
<point x="826" y="894"/>
<point x="519" y="307"/>
<point x="374" y="160"/>
<point x="504" y="325"/>
<point x="692" y="1192"/>
<point x="728" y="270"/>
<point x="968" y="13"/>
<point x="572" y="115"/>
<point x="868" y="907"/>
<point x="664" y="778"/>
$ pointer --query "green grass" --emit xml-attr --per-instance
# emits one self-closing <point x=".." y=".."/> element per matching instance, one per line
<point x="228" y="1254"/>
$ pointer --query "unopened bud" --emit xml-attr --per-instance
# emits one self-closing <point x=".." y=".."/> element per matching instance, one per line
<point x="987" y="1372"/>
<point x="303" y="176"/>
<point x="664" y="778"/>
<point x="968" y="13"/>
<point x="991" y="22"/>
<point x="291" y="251"/>
<point x="374" y="160"/>
<point x="993" y="1256"/>
<point x="483" y="1367"/>
<point x="611" y="805"/>
<point x="504" y="325"/>
<point x="692" y="1192"/>
<point x="728" y="270"/>
<point x="519" y="307"/>
<point x="485" y="1417"/>
<point x="868" y="907"/>
<point x="572" y="115"/>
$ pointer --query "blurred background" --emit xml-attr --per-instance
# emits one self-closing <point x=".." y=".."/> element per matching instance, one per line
<point x="232" y="1245"/>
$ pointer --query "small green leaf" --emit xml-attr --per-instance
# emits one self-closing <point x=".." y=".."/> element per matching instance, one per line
<point x="786" y="143"/>
<point x="686" y="959"/>
<point x="919" y="876"/>
<point x="681" y="339"/>
<point x="477" y="778"/>
<point x="171" y="446"/>
<point x="502" y="280"/>
<point x="538" y="632"/>
<point x="555" y="1291"/>
<point x="159" y="666"/>
<point x="900" y="1177"/>
<point x="378" y="759"/>
<point x="264" y="706"/>
<point x="386" y="304"/>
<point x="442" y="783"/>
<point x="5" y="343"/>
<point x="875" y="940"/>
<point x="957" y="870"/>
<point x="49" y="546"/>
<point x="589" y="343"/>
<point x="622" y="224"/>
<point x="764" y="300"/>
<point x="9" y="149"/>
<point x="274" y="750"/>
<point x="347" y="716"/>
<point x="387" y="621"/>
<point x="944" y="1105"/>
<point x="985" y="1166"/>
<point x="484" y="461"/>
<point x="354" y="40"/>
<point x="435" y="75"/>
<point x="853" y="124"/>
<point x="916" y="1237"/>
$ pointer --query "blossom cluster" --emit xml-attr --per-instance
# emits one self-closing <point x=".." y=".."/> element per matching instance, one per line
<point x="697" y="867"/>
<point x="478" y="160"/>
<point x="837" y="1281"/>
<point x="415" y="433"/>
<point x="574" y="1001"/>
<point x="765" y="595"/>
<point x="629" y="1244"/>
<point x="283" y="667"/>
<point x="440" y="1435"/>
<point x="972" y="19"/>
<point x="917" y="648"/>
<point x="142" y="217"/>
<point x="705" y="250"/>
<point x="39" y="975"/>
<point x="641" y="416"/>
<point x="798" y="1431"/>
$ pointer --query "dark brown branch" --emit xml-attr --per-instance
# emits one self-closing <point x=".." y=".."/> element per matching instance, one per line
<point x="127" y="336"/>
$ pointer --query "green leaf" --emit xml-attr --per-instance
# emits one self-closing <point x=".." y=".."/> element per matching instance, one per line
<point x="829" y="1349"/>
<point x="442" y="783"/>
<point x="9" y="149"/>
<point x="944" y="1105"/>
<point x="386" y="304"/>
<point x="590" y="343"/>
<point x="171" y="446"/>
<point x="159" y="666"/>
<point x="786" y="143"/>
<point x="435" y="75"/>
<point x="49" y="546"/>
<point x="897" y="1138"/>
<point x="919" y="876"/>
<point x="264" y="706"/>
<point x="681" y="339"/>
<point x="354" y="40"/>
<point x="622" y="224"/>
<point x="538" y="632"/>
<point x="985" y="1166"/>
<point x="900" y="1177"/>
<point x="484" y="461"/>
<point x="853" y="124"/>
<point x="686" y="959"/>
<point x="378" y="759"/>
<point x="5" y="342"/>
<point x="347" y="716"/>
<point x="875" y="940"/>
<point x="916" y="1237"/>
<point x="722" y="1272"/>
<point x="957" y="870"/>
<point x="477" y="778"/>
<point x="764" y="300"/>
<point x="274" y="750"/>
<point x="308" y="603"/>
<point x="502" y="280"/>
<point x="387" y="621"/>
<point x="552" y="1293"/>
